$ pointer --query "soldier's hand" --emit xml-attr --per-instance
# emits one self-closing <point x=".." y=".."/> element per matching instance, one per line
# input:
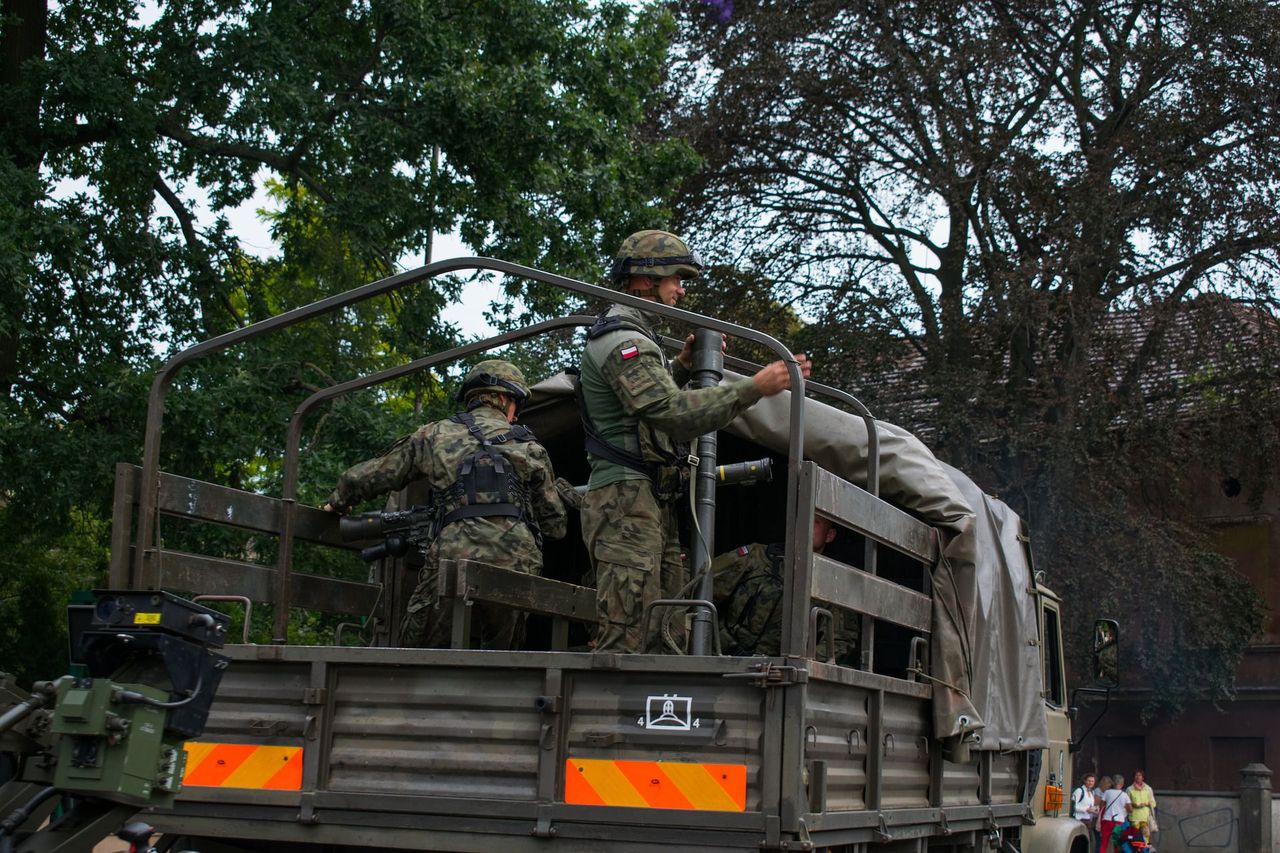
<point x="686" y="352"/>
<point x="328" y="507"/>
<point x="774" y="377"/>
<point x="568" y="494"/>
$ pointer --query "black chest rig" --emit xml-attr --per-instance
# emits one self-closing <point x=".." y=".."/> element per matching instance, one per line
<point x="665" y="476"/>
<point x="486" y="485"/>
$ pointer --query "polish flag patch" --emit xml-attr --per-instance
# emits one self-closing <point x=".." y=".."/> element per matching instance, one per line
<point x="630" y="352"/>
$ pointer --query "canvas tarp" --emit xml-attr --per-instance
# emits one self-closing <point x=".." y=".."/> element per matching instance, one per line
<point x="985" y="680"/>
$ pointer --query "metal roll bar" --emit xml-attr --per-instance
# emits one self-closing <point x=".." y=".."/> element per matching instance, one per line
<point x="289" y="490"/>
<point x="146" y="572"/>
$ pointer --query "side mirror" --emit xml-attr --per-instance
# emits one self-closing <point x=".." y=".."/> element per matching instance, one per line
<point x="1106" y="652"/>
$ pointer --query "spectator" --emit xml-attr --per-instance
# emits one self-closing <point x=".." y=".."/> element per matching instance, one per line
<point x="1144" y="804"/>
<point x="1084" y="807"/>
<point x="1115" y="809"/>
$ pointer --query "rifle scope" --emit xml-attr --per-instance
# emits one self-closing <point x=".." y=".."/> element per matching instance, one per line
<point x="745" y="473"/>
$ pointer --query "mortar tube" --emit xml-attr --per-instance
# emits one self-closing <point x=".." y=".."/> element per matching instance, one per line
<point x="708" y="370"/>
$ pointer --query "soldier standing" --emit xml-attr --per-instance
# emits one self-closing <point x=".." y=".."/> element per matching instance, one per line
<point x="493" y="492"/>
<point x="748" y="598"/>
<point x="635" y="415"/>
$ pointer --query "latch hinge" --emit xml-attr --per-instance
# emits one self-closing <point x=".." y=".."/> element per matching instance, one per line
<point x="543" y="828"/>
<point x="307" y="808"/>
<point x="314" y="695"/>
<point x="767" y="674"/>
<point x="882" y="829"/>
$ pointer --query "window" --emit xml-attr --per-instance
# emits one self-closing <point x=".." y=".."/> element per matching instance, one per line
<point x="1055" y="691"/>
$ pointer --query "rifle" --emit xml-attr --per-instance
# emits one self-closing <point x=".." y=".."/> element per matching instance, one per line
<point x="398" y="529"/>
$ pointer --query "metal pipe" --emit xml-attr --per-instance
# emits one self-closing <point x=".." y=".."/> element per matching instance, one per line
<point x="707" y="371"/>
<point x="41" y="693"/>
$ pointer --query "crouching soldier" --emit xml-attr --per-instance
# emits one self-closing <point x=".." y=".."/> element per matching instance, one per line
<point x="493" y="492"/>
<point x="748" y="599"/>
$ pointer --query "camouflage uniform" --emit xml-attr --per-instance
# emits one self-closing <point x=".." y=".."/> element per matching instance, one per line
<point x="433" y="453"/>
<point x="628" y="517"/>
<point x="748" y="598"/>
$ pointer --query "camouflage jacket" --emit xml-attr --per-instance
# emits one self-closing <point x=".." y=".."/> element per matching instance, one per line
<point x="748" y="599"/>
<point x="635" y="404"/>
<point x="433" y="453"/>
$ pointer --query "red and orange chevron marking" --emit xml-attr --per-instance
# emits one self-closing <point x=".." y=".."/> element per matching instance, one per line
<point x="656" y="784"/>
<point x="243" y="765"/>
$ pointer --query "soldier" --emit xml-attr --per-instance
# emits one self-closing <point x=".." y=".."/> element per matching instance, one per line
<point x="493" y="491"/>
<point x="635" y="415"/>
<point x="748" y="598"/>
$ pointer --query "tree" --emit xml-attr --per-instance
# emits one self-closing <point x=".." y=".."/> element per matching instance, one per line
<point x="974" y="194"/>
<point x="520" y="123"/>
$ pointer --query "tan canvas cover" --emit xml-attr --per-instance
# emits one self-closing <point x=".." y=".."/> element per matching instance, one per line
<point x="981" y="604"/>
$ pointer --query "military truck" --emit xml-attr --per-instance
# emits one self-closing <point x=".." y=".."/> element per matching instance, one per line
<point x="947" y="731"/>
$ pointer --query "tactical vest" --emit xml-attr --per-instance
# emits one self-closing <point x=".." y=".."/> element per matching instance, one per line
<point x="753" y="603"/>
<point x="486" y="485"/>
<point x="659" y="471"/>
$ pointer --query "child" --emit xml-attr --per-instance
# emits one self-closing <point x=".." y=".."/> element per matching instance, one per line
<point x="1127" y="838"/>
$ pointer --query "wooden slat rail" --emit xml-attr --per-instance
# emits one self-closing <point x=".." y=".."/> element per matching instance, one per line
<point x="835" y="583"/>
<point x="184" y="497"/>
<point x="199" y="574"/>
<point x="859" y="511"/>
<point x="463" y="582"/>
<point x="482" y="582"/>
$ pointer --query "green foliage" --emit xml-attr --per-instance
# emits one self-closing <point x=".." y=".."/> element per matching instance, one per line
<point x="39" y="574"/>
<point x="130" y="131"/>
<point x="1013" y="224"/>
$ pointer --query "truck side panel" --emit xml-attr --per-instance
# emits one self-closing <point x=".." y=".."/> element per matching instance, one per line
<point x="450" y="731"/>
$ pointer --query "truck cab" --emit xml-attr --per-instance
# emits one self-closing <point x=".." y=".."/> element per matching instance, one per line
<point x="1055" y="828"/>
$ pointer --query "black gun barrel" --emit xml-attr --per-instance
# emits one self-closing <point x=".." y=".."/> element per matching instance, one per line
<point x="755" y="471"/>
<point x="394" y="545"/>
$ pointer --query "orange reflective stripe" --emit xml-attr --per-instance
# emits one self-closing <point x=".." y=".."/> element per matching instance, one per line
<point x="288" y="777"/>
<point x="577" y="789"/>
<point x="656" y="784"/>
<point x="719" y="787"/>
<point x="218" y="764"/>
<point x="239" y="765"/>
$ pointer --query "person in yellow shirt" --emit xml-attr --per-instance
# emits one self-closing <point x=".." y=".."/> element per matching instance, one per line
<point x="1144" y="804"/>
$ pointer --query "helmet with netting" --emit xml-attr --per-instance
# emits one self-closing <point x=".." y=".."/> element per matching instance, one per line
<point x="654" y="253"/>
<point x="495" y="376"/>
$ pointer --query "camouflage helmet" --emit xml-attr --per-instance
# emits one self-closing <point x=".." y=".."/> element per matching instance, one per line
<point x="654" y="253"/>
<point x="495" y="376"/>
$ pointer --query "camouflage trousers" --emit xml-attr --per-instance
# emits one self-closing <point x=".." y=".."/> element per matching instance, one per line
<point x="428" y="620"/>
<point x="634" y="545"/>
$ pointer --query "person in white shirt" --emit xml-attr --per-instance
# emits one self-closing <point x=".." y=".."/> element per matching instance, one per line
<point x="1084" y="808"/>
<point x="1115" y="808"/>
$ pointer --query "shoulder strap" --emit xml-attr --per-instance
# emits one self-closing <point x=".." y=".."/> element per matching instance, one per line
<point x="606" y="323"/>
<point x="468" y="420"/>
